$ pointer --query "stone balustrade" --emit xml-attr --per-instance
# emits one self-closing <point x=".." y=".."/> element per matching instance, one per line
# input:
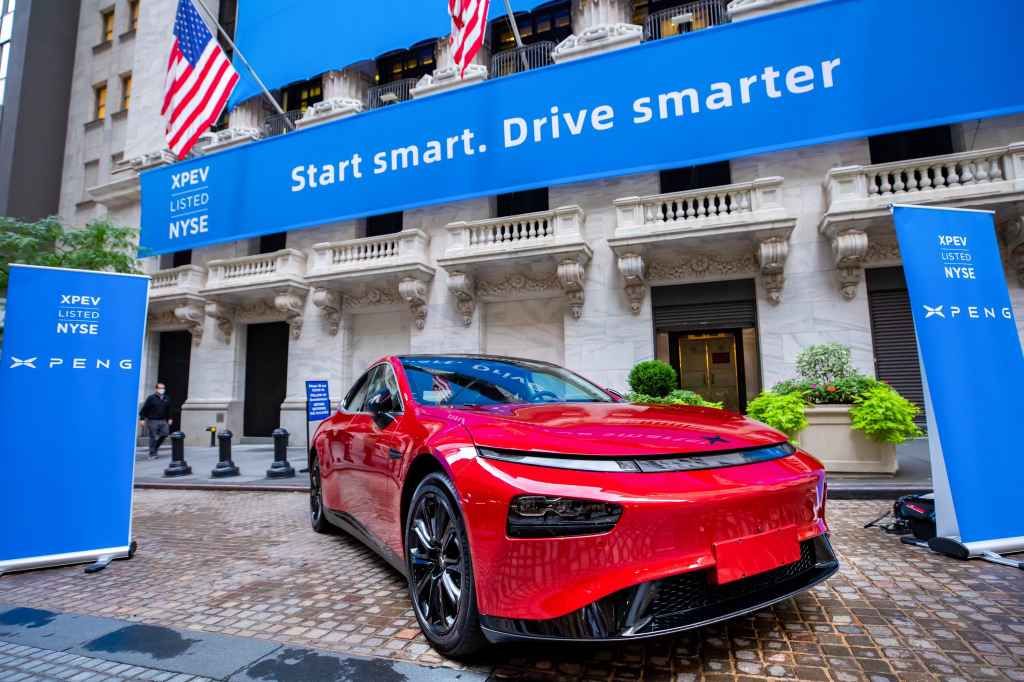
<point x="186" y="279"/>
<point x="744" y="201"/>
<point x="175" y="301"/>
<point x="264" y="268"/>
<point x="934" y="178"/>
<point x="370" y="253"/>
<point x="515" y="233"/>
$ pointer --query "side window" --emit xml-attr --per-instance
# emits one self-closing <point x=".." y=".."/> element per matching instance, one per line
<point x="357" y="396"/>
<point x="391" y="382"/>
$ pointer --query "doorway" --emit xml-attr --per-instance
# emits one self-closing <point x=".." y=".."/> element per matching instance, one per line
<point x="266" y="376"/>
<point x="172" y="369"/>
<point x="711" y="365"/>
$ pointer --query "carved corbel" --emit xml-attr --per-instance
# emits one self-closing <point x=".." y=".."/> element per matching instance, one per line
<point x="414" y="292"/>
<point x="463" y="288"/>
<point x="771" y="255"/>
<point x="849" y="249"/>
<point x="631" y="265"/>
<point x="570" y="277"/>
<point x="193" y="315"/>
<point x="329" y="303"/>
<point x="1013" y="235"/>
<point x="224" y="316"/>
<point x="292" y="305"/>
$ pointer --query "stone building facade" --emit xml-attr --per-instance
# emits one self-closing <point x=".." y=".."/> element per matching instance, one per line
<point x="726" y="271"/>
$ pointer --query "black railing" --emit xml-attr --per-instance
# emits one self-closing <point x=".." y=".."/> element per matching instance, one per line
<point x="521" y="59"/>
<point x="277" y="124"/>
<point x="687" y="18"/>
<point x="390" y="93"/>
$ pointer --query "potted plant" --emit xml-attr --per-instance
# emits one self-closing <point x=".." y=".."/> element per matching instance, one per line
<point x="653" y="382"/>
<point x="849" y="421"/>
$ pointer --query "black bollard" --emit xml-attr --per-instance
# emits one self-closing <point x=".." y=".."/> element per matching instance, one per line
<point x="178" y="465"/>
<point x="225" y="467"/>
<point x="280" y="468"/>
<point x="213" y="435"/>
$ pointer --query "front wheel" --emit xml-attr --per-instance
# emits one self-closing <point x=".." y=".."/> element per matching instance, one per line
<point x="441" y="570"/>
<point x="317" y="518"/>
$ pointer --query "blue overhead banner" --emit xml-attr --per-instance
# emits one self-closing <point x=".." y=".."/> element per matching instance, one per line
<point x="333" y="35"/>
<point x="973" y="368"/>
<point x="69" y="382"/>
<point x="825" y="72"/>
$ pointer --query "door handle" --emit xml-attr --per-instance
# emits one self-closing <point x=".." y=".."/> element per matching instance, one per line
<point x="394" y="454"/>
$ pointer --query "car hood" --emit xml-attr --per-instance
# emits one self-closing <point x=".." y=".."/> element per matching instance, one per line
<point x="606" y="429"/>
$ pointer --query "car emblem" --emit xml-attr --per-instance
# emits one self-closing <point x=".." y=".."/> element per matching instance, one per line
<point x="714" y="439"/>
<point x="18" y="362"/>
<point x="934" y="311"/>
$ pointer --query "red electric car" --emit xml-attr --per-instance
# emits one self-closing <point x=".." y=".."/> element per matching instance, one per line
<point x="524" y="502"/>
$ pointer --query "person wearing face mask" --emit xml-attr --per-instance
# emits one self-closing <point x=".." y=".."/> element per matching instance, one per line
<point x="155" y="416"/>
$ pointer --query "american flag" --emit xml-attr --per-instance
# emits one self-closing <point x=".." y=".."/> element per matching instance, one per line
<point x="469" y="24"/>
<point x="199" y="81"/>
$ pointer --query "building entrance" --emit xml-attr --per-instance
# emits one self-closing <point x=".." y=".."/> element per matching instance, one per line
<point x="266" y="375"/>
<point x="708" y="333"/>
<point x="710" y="365"/>
<point x="172" y="369"/>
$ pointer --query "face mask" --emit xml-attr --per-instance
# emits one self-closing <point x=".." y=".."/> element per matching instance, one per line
<point x="161" y="391"/>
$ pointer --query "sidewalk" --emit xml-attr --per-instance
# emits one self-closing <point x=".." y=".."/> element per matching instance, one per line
<point x="914" y="474"/>
<point x="38" y="644"/>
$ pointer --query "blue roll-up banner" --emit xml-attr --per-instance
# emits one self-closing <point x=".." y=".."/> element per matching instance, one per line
<point x="318" y="401"/>
<point x="973" y="368"/>
<point x="828" y="71"/>
<point x="69" y="385"/>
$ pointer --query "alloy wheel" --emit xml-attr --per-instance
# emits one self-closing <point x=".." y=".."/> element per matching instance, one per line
<point x="316" y="508"/>
<point x="437" y="563"/>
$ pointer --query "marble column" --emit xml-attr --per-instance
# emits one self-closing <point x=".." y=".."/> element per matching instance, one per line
<point x="344" y="95"/>
<point x="446" y="75"/>
<point x="245" y="124"/>
<point x="598" y="26"/>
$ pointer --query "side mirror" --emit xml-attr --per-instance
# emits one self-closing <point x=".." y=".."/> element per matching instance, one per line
<point x="380" y="406"/>
<point x="615" y="394"/>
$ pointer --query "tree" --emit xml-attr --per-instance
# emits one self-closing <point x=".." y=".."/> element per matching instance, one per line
<point x="100" y="245"/>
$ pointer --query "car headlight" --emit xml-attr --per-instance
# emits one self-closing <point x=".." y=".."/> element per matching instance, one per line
<point x="540" y="516"/>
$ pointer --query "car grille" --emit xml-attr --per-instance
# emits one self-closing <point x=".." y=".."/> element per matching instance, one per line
<point x="677" y="596"/>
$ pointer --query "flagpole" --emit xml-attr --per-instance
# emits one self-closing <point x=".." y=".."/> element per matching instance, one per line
<point x="515" y="32"/>
<point x="256" y="77"/>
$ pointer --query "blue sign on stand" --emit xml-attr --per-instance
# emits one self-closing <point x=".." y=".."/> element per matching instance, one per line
<point x="318" y="401"/>
<point x="69" y="386"/>
<point x="973" y="368"/>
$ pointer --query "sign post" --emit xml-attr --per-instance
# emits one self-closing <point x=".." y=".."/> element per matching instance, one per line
<point x="69" y="386"/>
<point x="318" y="404"/>
<point x="973" y="367"/>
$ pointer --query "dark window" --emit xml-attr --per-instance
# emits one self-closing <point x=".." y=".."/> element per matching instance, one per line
<point x="269" y="243"/>
<point x="415" y="62"/>
<point x="518" y="203"/>
<point x="552" y="22"/>
<point x="300" y="96"/>
<point x="696" y="177"/>
<point x="176" y="259"/>
<point x="357" y="396"/>
<point x="386" y="223"/>
<point x="911" y="144"/>
<point x="227" y="15"/>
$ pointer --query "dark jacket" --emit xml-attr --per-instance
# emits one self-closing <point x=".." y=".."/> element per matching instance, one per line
<point x="156" y="407"/>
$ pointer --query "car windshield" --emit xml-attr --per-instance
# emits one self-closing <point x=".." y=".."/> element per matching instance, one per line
<point x="446" y="380"/>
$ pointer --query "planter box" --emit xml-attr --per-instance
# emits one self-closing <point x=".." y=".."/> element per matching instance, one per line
<point x="841" y="449"/>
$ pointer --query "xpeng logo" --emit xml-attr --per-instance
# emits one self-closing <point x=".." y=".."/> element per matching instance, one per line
<point x="73" y="363"/>
<point x="969" y="312"/>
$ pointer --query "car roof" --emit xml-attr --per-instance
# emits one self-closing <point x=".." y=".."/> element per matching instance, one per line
<point x="480" y="356"/>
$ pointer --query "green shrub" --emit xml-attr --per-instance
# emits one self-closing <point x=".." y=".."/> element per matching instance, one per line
<point x="824" y="363"/>
<point x="653" y="378"/>
<point x="676" y="397"/>
<point x="784" y="412"/>
<point x="885" y="416"/>
<point x="841" y="392"/>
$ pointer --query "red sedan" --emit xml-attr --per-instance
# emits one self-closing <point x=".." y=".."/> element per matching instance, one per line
<point x="524" y="502"/>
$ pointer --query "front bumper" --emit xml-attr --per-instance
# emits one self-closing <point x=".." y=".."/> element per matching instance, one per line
<point x="680" y="602"/>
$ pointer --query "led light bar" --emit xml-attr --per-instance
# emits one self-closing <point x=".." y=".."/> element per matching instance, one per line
<point x="657" y="464"/>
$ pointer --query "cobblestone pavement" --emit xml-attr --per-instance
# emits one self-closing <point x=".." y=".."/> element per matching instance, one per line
<point x="27" y="664"/>
<point x="246" y="563"/>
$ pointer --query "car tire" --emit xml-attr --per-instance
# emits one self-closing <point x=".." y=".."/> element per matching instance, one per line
<point x="440" y="568"/>
<point x="317" y="517"/>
